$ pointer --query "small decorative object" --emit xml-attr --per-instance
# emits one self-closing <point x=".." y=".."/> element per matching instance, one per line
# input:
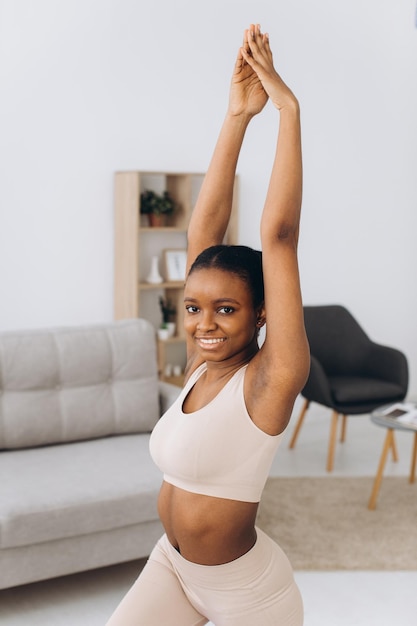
<point x="168" y="370"/>
<point x="171" y="328"/>
<point x="154" y="277"/>
<point x="177" y="370"/>
<point x="156" y="206"/>
<point x="163" y="334"/>
<point x="175" y="262"/>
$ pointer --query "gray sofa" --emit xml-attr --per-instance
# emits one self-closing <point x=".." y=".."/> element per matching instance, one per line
<point x="78" y="488"/>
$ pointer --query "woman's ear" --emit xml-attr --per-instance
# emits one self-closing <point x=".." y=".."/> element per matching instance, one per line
<point x="261" y="317"/>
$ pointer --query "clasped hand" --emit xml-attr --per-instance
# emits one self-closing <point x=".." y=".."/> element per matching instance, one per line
<point x="255" y="79"/>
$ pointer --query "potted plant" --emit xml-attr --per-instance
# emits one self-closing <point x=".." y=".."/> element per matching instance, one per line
<point x="156" y="206"/>
<point x="168" y="311"/>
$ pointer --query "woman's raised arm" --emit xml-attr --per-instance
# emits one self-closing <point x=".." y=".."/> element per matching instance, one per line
<point x="211" y="215"/>
<point x="282" y="365"/>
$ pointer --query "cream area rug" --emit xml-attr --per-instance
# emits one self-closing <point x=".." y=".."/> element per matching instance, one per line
<point x="324" y="523"/>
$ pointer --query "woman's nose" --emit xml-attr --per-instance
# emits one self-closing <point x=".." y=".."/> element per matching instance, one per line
<point x="206" y="322"/>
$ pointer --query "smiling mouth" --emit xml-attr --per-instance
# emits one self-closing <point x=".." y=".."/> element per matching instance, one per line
<point x="211" y="341"/>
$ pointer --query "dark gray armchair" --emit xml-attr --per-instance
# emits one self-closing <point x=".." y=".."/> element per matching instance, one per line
<point x="349" y="373"/>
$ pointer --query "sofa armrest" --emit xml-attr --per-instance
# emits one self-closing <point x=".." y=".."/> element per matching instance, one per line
<point x="167" y="395"/>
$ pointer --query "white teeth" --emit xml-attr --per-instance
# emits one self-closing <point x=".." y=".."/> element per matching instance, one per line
<point x="211" y="340"/>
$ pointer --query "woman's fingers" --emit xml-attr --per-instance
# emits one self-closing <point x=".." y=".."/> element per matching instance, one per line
<point x="259" y="57"/>
<point x="245" y="44"/>
<point x="266" y="45"/>
<point x="258" y="46"/>
<point x="255" y="36"/>
<point x="248" y="57"/>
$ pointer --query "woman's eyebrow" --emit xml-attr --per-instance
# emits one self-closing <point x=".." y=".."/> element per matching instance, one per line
<point x="216" y="301"/>
<point x="222" y="300"/>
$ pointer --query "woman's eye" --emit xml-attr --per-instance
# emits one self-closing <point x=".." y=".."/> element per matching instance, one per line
<point x="226" y="310"/>
<point x="191" y="309"/>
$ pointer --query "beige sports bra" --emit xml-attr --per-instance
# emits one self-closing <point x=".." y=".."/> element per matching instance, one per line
<point x="218" y="450"/>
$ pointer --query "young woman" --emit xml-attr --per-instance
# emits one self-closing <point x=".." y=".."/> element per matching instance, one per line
<point x="215" y="445"/>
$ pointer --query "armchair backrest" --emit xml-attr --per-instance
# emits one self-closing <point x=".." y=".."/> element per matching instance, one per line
<point x="336" y="339"/>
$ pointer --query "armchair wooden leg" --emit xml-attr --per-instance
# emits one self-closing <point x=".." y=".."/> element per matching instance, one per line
<point x="332" y="441"/>
<point x="382" y="461"/>
<point x="343" y="431"/>
<point x="413" y="460"/>
<point x="299" y="423"/>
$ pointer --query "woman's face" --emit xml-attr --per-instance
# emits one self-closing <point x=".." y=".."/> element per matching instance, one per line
<point x="219" y="315"/>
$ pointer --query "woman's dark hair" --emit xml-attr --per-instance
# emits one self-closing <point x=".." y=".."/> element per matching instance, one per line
<point x="243" y="261"/>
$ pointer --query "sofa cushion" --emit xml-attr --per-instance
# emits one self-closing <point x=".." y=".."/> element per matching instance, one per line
<point x="76" y="489"/>
<point x="71" y="384"/>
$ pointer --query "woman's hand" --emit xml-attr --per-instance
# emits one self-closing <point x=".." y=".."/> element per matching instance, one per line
<point x="257" y="54"/>
<point x="247" y="95"/>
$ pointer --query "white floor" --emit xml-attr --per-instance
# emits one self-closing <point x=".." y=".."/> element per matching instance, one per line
<point x="330" y="598"/>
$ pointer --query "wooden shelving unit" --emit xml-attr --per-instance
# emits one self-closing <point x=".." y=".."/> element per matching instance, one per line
<point x="136" y="243"/>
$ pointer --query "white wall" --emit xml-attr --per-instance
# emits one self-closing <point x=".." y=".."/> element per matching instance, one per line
<point x="93" y="86"/>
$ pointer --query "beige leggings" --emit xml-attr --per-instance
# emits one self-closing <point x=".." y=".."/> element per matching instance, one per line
<point x="256" y="589"/>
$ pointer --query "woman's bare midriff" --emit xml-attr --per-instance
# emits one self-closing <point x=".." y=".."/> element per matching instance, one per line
<point x="204" y="529"/>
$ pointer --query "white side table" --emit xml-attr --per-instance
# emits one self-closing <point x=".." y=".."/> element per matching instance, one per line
<point x="378" y="417"/>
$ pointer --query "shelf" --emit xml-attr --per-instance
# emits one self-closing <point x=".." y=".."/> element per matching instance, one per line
<point x="174" y="339"/>
<point x="178" y="381"/>
<point x="136" y="242"/>
<point x="161" y="229"/>
<point x="178" y="284"/>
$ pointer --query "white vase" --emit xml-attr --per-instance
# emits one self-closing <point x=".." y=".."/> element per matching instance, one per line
<point x="171" y="328"/>
<point x="163" y="334"/>
<point x="154" y="277"/>
<point x="177" y="370"/>
<point x="168" y="370"/>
